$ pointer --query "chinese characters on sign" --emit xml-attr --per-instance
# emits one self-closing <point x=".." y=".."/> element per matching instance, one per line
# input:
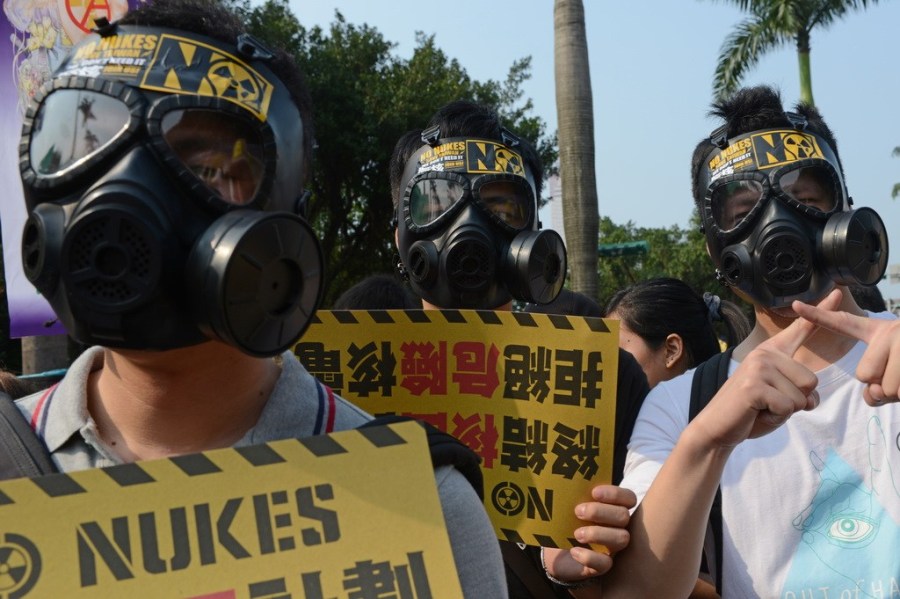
<point x="533" y="395"/>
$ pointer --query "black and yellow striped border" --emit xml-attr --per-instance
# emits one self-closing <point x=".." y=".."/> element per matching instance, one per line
<point x="452" y="317"/>
<point x="193" y="465"/>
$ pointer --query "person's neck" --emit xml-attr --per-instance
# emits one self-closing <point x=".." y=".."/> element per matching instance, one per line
<point x="823" y="347"/>
<point x="157" y="404"/>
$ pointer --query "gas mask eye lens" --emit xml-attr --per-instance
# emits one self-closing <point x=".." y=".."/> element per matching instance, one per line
<point x="732" y="202"/>
<point x="812" y="187"/>
<point x="431" y="198"/>
<point x="508" y="201"/>
<point x="225" y="153"/>
<point x="72" y="126"/>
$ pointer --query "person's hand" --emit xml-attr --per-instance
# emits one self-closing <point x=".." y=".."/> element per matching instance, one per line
<point x="765" y="390"/>
<point x="608" y="517"/>
<point x="879" y="367"/>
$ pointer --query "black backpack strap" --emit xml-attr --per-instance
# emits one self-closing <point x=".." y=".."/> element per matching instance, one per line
<point x="524" y="577"/>
<point x="22" y="453"/>
<point x="631" y="389"/>
<point x="446" y="450"/>
<point x="708" y="378"/>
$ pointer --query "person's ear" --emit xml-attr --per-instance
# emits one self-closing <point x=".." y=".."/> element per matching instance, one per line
<point x="674" y="345"/>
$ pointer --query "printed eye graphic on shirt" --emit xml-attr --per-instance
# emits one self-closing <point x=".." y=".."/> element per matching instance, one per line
<point x="852" y="532"/>
<point x="849" y="542"/>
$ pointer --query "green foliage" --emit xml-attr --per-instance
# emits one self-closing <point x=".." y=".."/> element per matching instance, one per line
<point x="674" y="252"/>
<point x="772" y="24"/>
<point x="365" y="98"/>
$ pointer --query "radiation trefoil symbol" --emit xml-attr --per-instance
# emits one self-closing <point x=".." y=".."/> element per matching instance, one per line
<point x="509" y="162"/>
<point x="231" y="80"/>
<point x="798" y="147"/>
<point x="20" y="566"/>
<point x="508" y="499"/>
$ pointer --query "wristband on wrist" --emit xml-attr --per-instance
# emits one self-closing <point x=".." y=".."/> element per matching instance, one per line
<point x="577" y="584"/>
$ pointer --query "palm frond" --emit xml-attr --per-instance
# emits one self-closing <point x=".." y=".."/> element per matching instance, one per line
<point x="828" y="11"/>
<point x="744" y="5"/>
<point x="742" y="50"/>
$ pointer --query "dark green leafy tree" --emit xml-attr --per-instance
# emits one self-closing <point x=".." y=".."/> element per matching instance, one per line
<point x="364" y="99"/>
<point x="673" y="252"/>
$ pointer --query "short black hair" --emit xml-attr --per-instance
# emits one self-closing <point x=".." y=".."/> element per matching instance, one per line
<point x="460" y="118"/>
<point x="17" y="387"/>
<point x="868" y="297"/>
<point x="377" y="292"/>
<point x="213" y="19"/>
<point x="752" y="109"/>
<point x="568" y="302"/>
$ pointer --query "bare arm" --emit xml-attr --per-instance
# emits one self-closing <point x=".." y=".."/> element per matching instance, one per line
<point x="667" y="530"/>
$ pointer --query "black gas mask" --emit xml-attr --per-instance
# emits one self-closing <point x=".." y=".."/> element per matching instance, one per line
<point x="778" y="221"/>
<point x="468" y="230"/>
<point x="162" y="173"/>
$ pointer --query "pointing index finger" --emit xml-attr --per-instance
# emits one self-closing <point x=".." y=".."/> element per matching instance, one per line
<point x="844" y="323"/>
<point x="789" y="340"/>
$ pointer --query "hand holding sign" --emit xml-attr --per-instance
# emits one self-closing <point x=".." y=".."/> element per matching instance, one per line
<point x="767" y="388"/>
<point x="608" y="515"/>
<point x="880" y="364"/>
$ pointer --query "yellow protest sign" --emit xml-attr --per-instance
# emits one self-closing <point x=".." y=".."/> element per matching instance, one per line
<point x="532" y="394"/>
<point x="352" y="514"/>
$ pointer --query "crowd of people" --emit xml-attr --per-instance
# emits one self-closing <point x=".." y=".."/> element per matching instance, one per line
<point x="799" y="445"/>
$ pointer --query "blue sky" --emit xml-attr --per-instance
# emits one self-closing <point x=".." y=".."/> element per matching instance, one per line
<point x="651" y="70"/>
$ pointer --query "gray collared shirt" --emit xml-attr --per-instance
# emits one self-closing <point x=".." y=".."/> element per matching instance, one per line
<point x="299" y="406"/>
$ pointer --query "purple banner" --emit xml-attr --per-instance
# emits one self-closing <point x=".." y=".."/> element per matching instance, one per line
<point x="34" y="36"/>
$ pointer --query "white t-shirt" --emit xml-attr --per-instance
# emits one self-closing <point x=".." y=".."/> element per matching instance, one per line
<point x="810" y="511"/>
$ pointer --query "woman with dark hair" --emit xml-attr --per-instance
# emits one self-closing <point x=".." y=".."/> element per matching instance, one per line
<point x="668" y="327"/>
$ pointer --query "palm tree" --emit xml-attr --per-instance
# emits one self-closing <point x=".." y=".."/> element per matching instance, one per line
<point x="575" y="116"/>
<point x="774" y="23"/>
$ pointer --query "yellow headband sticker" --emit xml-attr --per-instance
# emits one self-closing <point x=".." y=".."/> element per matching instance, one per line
<point x="175" y="65"/>
<point x="117" y="55"/>
<point x="775" y="148"/>
<point x="185" y="66"/>
<point x="450" y="156"/>
<point x="763" y="151"/>
<point x="472" y="156"/>
<point x="489" y="157"/>
<point x="735" y="157"/>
